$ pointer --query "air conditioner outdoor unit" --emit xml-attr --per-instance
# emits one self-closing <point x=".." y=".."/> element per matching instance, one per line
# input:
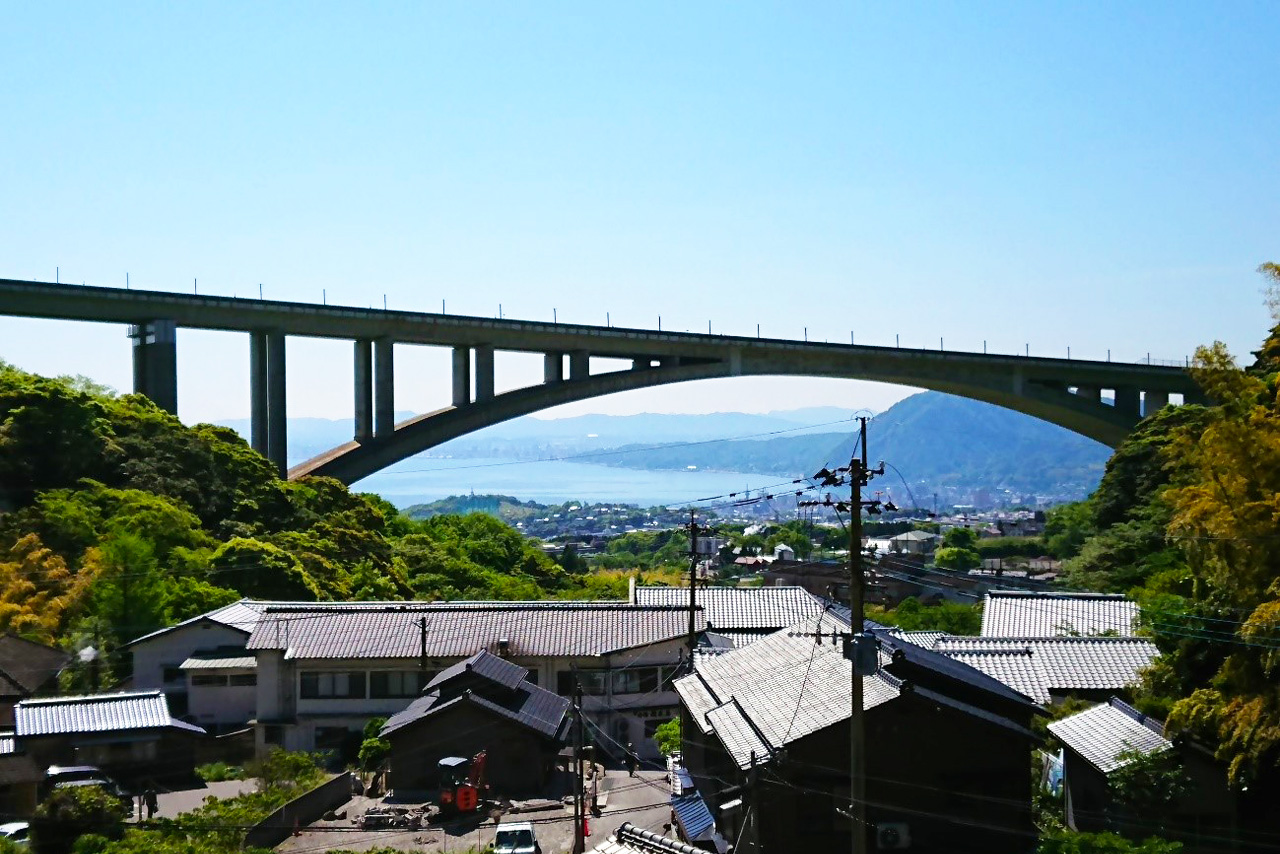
<point x="893" y="835"/>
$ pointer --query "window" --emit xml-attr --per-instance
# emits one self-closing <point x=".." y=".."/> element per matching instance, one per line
<point x="204" y="680"/>
<point x="594" y="682"/>
<point x="337" y="686"/>
<point x="172" y="673"/>
<point x="385" y="684"/>
<point x="637" y="680"/>
<point x="244" y="679"/>
<point x="273" y="734"/>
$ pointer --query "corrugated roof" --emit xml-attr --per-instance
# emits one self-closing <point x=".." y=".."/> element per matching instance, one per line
<point x="1021" y="613"/>
<point x="1066" y="663"/>
<point x="692" y="814"/>
<point x="7" y="744"/>
<point x="754" y="693"/>
<point x="1103" y="734"/>
<point x="95" y="713"/>
<point x="461" y="628"/>
<point x="741" y="608"/>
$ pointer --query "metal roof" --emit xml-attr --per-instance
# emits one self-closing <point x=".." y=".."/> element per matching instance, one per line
<point x="1064" y="663"/>
<point x="692" y="814"/>
<point x="740" y="608"/>
<point x="751" y="697"/>
<point x="1021" y="613"/>
<point x="1103" y="734"/>
<point x="391" y="630"/>
<point x="7" y="744"/>
<point x="95" y="713"/>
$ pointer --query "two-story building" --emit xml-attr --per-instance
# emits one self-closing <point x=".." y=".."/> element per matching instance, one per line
<point x="323" y="670"/>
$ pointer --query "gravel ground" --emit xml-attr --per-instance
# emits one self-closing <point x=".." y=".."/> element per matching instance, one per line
<point x="641" y="800"/>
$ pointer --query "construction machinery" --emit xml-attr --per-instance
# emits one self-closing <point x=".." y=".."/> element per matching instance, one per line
<point x="461" y="783"/>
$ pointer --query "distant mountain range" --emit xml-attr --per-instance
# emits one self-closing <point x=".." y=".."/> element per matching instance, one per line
<point x="934" y="441"/>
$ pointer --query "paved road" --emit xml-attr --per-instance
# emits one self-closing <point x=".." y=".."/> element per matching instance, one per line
<point x="641" y="800"/>
<point x="185" y="800"/>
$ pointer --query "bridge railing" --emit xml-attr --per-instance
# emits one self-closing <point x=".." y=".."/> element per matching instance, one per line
<point x="1184" y="362"/>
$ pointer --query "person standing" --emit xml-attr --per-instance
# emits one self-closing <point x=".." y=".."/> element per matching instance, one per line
<point x="633" y="761"/>
<point x="152" y="802"/>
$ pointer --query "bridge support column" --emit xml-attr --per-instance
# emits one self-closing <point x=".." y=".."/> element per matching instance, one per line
<point x="1154" y="401"/>
<point x="553" y="367"/>
<point x="155" y="362"/>
<point x="484" y="371"/>
<point x="579" y="365"/>
<point x="364" y="389"/>
<point x="1128" y="401"/>
<point x="258" y="402"/>
<point x="384" y="388"/>
<point x="461" y="376"/>
<point x="1091" y="393"/>
<point x="277" y="429"/>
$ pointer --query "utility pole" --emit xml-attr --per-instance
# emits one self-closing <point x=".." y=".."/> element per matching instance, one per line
<point x="422" y="649"/>
<point x="579" y="805"/>
<point x="859" y="646"/>
<point x="694" y="530"/>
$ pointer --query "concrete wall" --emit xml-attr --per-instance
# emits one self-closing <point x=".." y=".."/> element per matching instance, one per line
<point x="299" y="812"/>
<point x="221" y="706"/>
<point x="151" y="657"/>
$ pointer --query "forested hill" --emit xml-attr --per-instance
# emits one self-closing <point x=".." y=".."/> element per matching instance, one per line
<point x="932" y="438"/>
<point x="116" y="520"/>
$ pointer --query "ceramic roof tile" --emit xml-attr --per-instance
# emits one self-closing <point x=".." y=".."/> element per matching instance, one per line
<point x="391" y="630"/>
<point x="1015" y="667"/>
<point x="94" y="713"/>
<point x="756" y="691"/>
<point x="1020" y="613"/>
<point x="25" y="666"/>
<point x="1104" y="733"/>
<point x="629" y="839"/>
<point x="484" y="665"/>
<point x="1065" y="663"/>
<point x="741" y="608"/>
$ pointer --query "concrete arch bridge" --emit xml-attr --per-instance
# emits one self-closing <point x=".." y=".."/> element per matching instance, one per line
<point x="1067" y="392"/>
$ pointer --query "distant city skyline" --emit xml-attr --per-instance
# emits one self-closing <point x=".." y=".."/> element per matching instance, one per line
<point x="1092" y="177"/>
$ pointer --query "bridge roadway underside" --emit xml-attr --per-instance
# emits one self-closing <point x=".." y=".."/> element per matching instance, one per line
<point x="1063" y="391"/>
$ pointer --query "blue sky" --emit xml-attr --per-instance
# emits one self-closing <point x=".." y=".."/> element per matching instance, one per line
<point x="1093" y="176"/>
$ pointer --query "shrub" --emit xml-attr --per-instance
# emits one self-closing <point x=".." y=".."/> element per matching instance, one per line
<point x="217" y="772"/>
<point x="67" y="814"/>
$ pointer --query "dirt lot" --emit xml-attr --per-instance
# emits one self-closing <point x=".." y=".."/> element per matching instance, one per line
<point x="641" y="800"/>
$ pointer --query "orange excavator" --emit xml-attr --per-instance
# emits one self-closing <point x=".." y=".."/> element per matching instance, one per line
<point x="461" y="783"/>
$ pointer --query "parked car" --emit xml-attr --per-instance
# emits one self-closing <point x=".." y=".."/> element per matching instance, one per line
<point x="17" y="832"/>
<point x="516" y="838"/>
<point x="68" y="776"/>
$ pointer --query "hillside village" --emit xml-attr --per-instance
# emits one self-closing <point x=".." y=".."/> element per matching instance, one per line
<point x="338" y="676"/>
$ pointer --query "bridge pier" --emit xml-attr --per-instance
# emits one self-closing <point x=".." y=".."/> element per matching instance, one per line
<point x="277" y="429"/>
<point x="579" y="365"/>
<point x="553" y="367"/>
<point x="1128" y="401"/>
<point x="484" y="372"/>
<point x="364" y="389"/>
<point x="461" y="376"/>
<point x="1154" y="401"/>
<point x="155" y="362"/>
<point x="258" y="402"/>
<point x="384" y="388"/>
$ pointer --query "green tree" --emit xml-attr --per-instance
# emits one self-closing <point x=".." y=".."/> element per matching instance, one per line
<point x="69" y="813"/>
<point x="957" y="559"/>
<point x="669" y="737"/>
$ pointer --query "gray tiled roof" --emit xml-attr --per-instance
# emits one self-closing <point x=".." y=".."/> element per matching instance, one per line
<point x="1021" y="613"/>
<point x="25" y="666"/>
<point x="95" y="713"/>
<point x="1102" y="734"/>
<point x="1063" y="663"/>
<point x="751" y="697"/>
<point x="460" y="629"/>
<point x="242" y="615"/>
<point x="486" y="666"/>
<point x="741" y="608"/>
<point x="1015" y="667"/>
<point x="519" y="700"/>
<point x="220" y="662"/>
<point x="629" y="839"/>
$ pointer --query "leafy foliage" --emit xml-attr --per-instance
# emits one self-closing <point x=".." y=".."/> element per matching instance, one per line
<point x="668" y="737"/>
<point x="911" y="615"/>
<point x="1070" y="842"/>
<point x="71" y="812"/>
